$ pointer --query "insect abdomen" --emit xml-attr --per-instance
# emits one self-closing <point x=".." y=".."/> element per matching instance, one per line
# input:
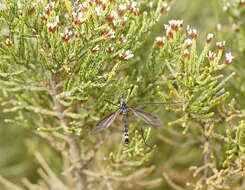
<point x="126" y="137"/>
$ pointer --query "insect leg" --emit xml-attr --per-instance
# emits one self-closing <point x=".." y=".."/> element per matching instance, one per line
<point x="142" y="134"/>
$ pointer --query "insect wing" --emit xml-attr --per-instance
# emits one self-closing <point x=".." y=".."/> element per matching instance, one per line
<point x="148" y="118"/>
<point x="106" y="121"/>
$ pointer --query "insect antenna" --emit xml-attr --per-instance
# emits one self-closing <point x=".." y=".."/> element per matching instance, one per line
<point x="108" y="101"/>
<point x="146" y="103"/>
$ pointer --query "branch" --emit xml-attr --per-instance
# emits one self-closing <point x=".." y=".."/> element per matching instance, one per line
<point x="70" y="138"/>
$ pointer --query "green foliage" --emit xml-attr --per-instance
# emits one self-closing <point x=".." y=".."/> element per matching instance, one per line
<point x="61" y="59"/>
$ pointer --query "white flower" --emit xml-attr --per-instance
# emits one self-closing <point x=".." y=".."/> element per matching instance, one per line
<point x="95" y="48"/>
<point x="235" y="28"/>
<point x="51" y="24"/>
<point x="188" y="41"/>
<point x="114" y="14"/>
<point x="9" y="42"/>
<point x="109" y="34"/>
<point x="99" y="11"/>
<point x="219" y="27"/>
<point x="125" y="55"/>
<point x="166" y="26"/>
<point x="85" y="4"/>
<point x="160" y="40"/>
<point x="228" y="58"/>
<point x="220" y="45"/>
<point x="74" y="13"/>
<point x="211" y="55"/>
<point x="122" y="7"/>
<point x="191" y="32"/>
<point x="134" y="4"/>
<point x="186" y="53"/>
<point x="210" y="36"/>
<point x="2" y="7"/>
<point x="165" y="4"/>
<point x="175" y="22"/>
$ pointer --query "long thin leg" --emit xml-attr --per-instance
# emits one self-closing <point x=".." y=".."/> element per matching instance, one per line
<point x="142" y="135"/>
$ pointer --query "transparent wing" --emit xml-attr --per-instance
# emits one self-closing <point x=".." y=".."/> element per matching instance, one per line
<point x="106" y="122"/>
<point x="148" y="118"/>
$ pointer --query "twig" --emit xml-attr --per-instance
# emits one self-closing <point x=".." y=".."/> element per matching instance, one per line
<point x="172" y="143"/>
<point x="170" y="182"/>
<point x="220" y="137"/>
<point x="9" y="184"/>
<point x="207" y="150"/>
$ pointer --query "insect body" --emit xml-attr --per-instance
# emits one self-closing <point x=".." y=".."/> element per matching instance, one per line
<point x="124" y="110"/>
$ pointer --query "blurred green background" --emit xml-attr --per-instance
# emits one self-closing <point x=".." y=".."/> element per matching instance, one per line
<point x="17" y="144"/>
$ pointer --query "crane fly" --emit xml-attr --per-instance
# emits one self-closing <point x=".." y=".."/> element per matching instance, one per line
<point x="123" y="109"/>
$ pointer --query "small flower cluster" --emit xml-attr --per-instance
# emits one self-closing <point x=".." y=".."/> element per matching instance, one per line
<point x="47" y="10"/>
<point x="171" y="28"/>
<point x="177" y="25"/>
<point x="235" y="10"/>
<point x="229" y="7"/>
<point x="78" y="17"/>
<point x="79" y="13"/>
<point x="220" y="46"/>
<point x="118" y="18"/>
<point x="49" y="7"/>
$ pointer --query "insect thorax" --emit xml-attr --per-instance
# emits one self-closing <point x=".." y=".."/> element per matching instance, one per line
<point x="124" y="106"/>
